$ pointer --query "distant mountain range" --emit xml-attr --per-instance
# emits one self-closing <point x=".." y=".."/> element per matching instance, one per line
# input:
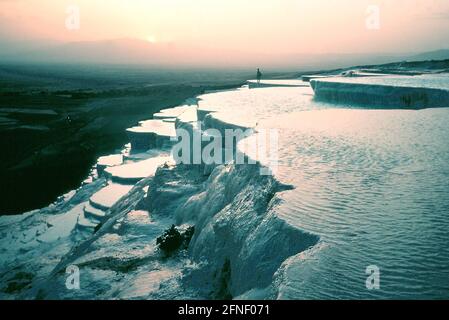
<point x="433" y="55"/>
<point x="133" y="51"/>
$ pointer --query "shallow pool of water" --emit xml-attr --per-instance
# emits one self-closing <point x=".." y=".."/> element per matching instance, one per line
<point x="373" y="184"/>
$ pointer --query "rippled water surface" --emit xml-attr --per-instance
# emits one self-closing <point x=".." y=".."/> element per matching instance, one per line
<point x="373" y="184"/>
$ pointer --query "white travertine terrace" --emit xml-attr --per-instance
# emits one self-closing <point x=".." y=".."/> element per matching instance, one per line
<point x="135" y="171"/>
<point x="109" y="161"/>
<point x="151" y="134"/>
<point x="275" y="83"/>
<point x="109" y="195"/>
<point x="407" y="92"/>
<point x="171" y="113"/>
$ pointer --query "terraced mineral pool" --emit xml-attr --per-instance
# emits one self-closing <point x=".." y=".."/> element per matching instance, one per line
<point x="434" y="81"/>
<point x="109" y="195"/>
<point x="135" y="171"/>
<point x="158" y="127"/>
<point x="251" y="105"/>
<point x="277" y="83"/>
<point x="110" y="161"/>
<point x="373" y="184"/>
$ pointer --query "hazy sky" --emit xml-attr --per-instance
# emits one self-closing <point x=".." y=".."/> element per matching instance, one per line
<point x="274" y="26"/>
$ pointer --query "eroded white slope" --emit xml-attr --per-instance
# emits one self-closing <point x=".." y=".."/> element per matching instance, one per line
<point x="240" y="241"/>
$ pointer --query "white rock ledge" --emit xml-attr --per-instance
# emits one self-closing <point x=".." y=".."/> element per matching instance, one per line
<point x="382" y="93"/>
<point x="131" y="173"/>
<point x="276" y="83"/>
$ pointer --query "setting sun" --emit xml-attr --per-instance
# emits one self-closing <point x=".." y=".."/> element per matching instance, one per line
<point x="151" y="39"/>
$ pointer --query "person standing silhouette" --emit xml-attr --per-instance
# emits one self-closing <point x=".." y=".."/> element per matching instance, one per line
<point x="259" y="75"/>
